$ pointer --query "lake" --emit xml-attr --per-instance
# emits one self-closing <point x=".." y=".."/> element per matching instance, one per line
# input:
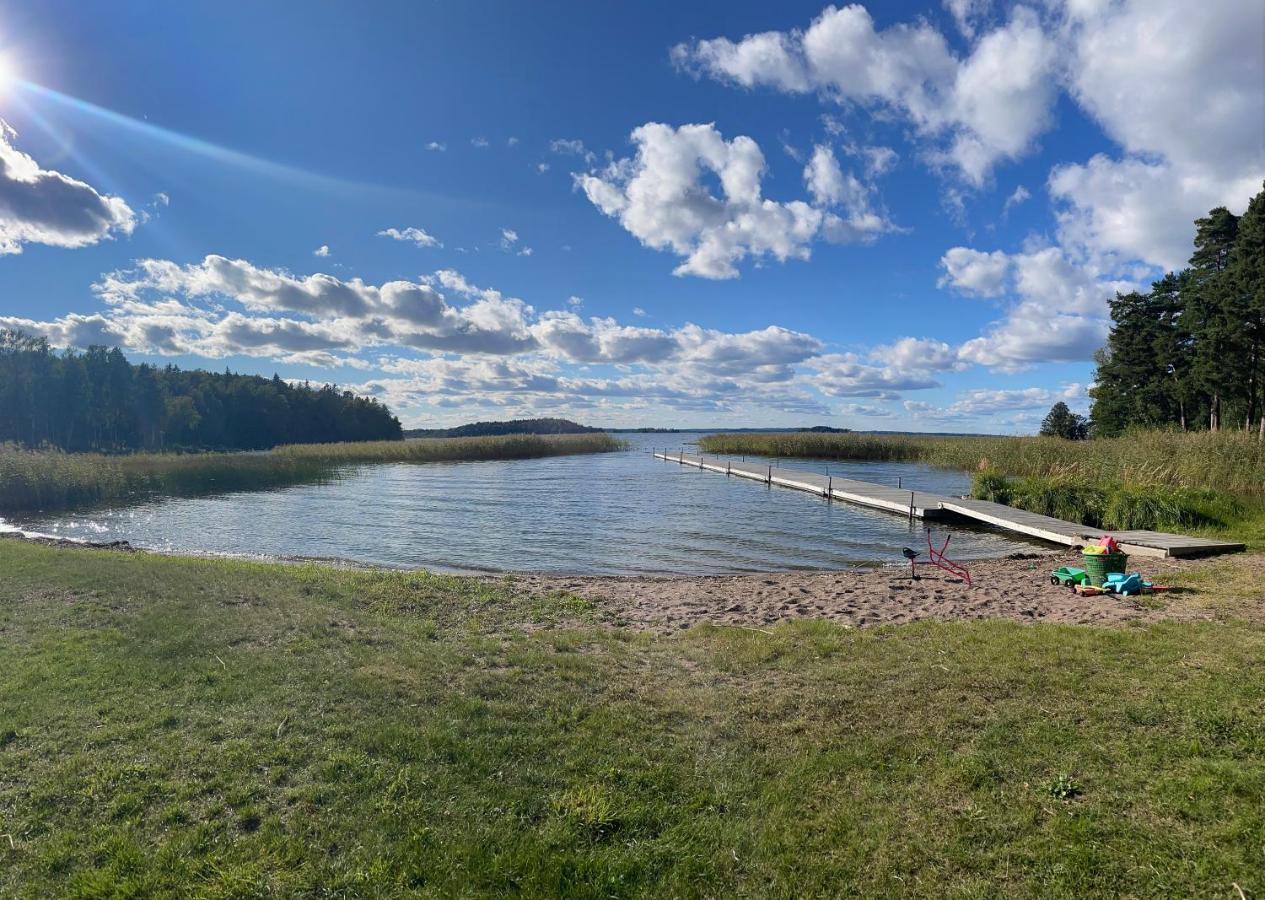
<point x="613" y="513"/>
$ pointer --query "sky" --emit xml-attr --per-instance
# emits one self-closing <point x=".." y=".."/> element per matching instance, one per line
<point x="894" y="216"/>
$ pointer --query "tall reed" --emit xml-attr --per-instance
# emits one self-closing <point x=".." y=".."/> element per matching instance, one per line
<point x="1225" y="461"/>
<point x="52" y="480"/>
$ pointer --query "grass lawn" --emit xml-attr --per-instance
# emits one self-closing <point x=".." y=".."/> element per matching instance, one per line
<point x="230" y="729"/>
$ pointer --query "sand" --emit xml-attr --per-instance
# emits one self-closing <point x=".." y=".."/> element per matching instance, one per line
<point x="1017" y="588"/>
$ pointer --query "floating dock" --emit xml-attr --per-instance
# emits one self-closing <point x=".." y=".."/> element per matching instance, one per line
<point x="921" y="505"/>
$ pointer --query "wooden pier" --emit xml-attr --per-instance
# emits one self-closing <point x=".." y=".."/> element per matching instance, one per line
<point x="922" y="505"/>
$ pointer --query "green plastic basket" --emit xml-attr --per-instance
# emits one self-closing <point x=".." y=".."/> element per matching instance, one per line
<point x="1099" y="564"/>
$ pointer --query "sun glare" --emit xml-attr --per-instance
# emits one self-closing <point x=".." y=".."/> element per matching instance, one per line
<point x="8" y="74"/>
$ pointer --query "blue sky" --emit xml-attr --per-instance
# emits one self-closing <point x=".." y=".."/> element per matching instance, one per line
<point x="906" y="216"/>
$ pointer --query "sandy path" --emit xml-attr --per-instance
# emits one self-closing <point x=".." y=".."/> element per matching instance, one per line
<point x="1016" y="588"/>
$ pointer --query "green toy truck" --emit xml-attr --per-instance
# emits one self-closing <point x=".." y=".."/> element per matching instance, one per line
<point x="1069" y="577"/>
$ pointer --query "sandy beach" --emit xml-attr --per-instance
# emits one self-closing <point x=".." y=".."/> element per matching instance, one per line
<point x="1017" y="588"/>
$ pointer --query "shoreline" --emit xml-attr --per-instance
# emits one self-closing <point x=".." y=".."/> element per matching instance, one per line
<point x="1013" y="588"/>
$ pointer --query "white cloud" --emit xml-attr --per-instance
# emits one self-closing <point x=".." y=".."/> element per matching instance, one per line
<point x="1060" y="310"/>
<point x="41" y="206"/>
<point x="846" y="375"/>
<point x="1182" y="91"/>
<point x="572" y="147"/>
<point x="1131" y="209"/>
<point x="918" y="354"/>
<point x="966" y="14"/>
<point x="661" y="197"/>
<point x="639" y="312"/>
<point x="321" y="251"/>
<point x="1018" y="196"/>
<point x="512" y="142"/>
<point x="865" y="411"/>
<point x="417" y="236"/>
<point x="975" y="272"/>
<point x="479" y="142"/>
<point x="436" y="147"/>
<point x="990" y="106"/>
<point x="542" y="168"/>
<point x="992" y="403"/>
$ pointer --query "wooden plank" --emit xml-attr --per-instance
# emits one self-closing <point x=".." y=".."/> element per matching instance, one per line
<point x="930" y="506"/>
<point x="862" y="493"/>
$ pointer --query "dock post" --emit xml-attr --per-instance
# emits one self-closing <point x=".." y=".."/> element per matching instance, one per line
<point x="898" y="479"/>
<point x="830" y="487"/>
<point x="769" y="479"/>
<point x="729" y="464"/>
<point x="911" y="507"/>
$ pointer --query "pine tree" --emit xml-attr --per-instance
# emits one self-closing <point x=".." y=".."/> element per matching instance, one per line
<point x="1218" y="340"/>
<point x="1245" y="272"/>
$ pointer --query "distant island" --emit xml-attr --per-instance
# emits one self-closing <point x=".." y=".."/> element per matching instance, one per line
<point x="515" y="426"/>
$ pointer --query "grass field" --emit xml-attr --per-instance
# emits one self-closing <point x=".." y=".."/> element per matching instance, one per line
<point x="40" y="480"/>
<point x="229" y="729"/>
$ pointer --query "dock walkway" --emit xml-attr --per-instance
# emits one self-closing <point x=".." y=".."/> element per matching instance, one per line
<point x="922" y="505"/>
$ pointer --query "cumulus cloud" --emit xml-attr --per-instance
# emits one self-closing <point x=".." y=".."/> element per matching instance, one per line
<point x="661" y="197"/>
<point x="42" y="206"/>
<point x="985" y="402"/>
<point x="321" y="251"/>
<point x="416" y="236"/>
<point x="847" y="375"/>
<point x="1058" y="311"/>
<point x="1182" y="93"/>
<point x="974" y="271"/>
<point x="989" y="106"/>
<point x="436" y="147"/>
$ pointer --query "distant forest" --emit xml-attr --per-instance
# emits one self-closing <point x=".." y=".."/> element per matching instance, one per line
<point x="99" y="401"/>
<point x="516" y="426"/>
<point x="1190" y="353"/>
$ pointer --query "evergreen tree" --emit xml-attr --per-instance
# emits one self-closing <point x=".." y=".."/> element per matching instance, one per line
<point x="1245" y="272"/>
<point x="1062" y="422"/>
<point x="1218" y="341"/>
<point x="97" y="400"/>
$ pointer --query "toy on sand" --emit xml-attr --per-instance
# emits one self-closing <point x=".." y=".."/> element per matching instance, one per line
<point x="1069" y="577"/>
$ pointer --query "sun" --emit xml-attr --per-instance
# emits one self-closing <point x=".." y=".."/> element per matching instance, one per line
<point x="8" y="73"/>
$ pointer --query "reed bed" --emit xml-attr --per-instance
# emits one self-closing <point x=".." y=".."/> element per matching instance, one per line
<point x="510" y="446"/>
<point x="1225" y="461"/>
<point x="50" y="480"/>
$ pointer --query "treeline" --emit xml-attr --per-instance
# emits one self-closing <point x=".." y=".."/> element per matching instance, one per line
<point x="1190" y="353"/>
<point x="514" y="426"/>
<point x="99" y="401"/>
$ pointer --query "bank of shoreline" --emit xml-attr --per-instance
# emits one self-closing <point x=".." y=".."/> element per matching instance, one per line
<point x="1014" y="588"/>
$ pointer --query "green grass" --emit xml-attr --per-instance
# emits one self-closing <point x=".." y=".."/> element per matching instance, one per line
<point x="216" y="728"/>
<point x="1112" y="506"/>
<point x="50" y="480"/>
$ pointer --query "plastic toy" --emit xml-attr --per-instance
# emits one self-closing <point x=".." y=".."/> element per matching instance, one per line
<point x="1068" y="576"/>
<point x="1120" y="583"/>
<point x="935" y="558"/>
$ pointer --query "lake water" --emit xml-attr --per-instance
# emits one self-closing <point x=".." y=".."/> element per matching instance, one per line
<point x="613" y="513"/>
